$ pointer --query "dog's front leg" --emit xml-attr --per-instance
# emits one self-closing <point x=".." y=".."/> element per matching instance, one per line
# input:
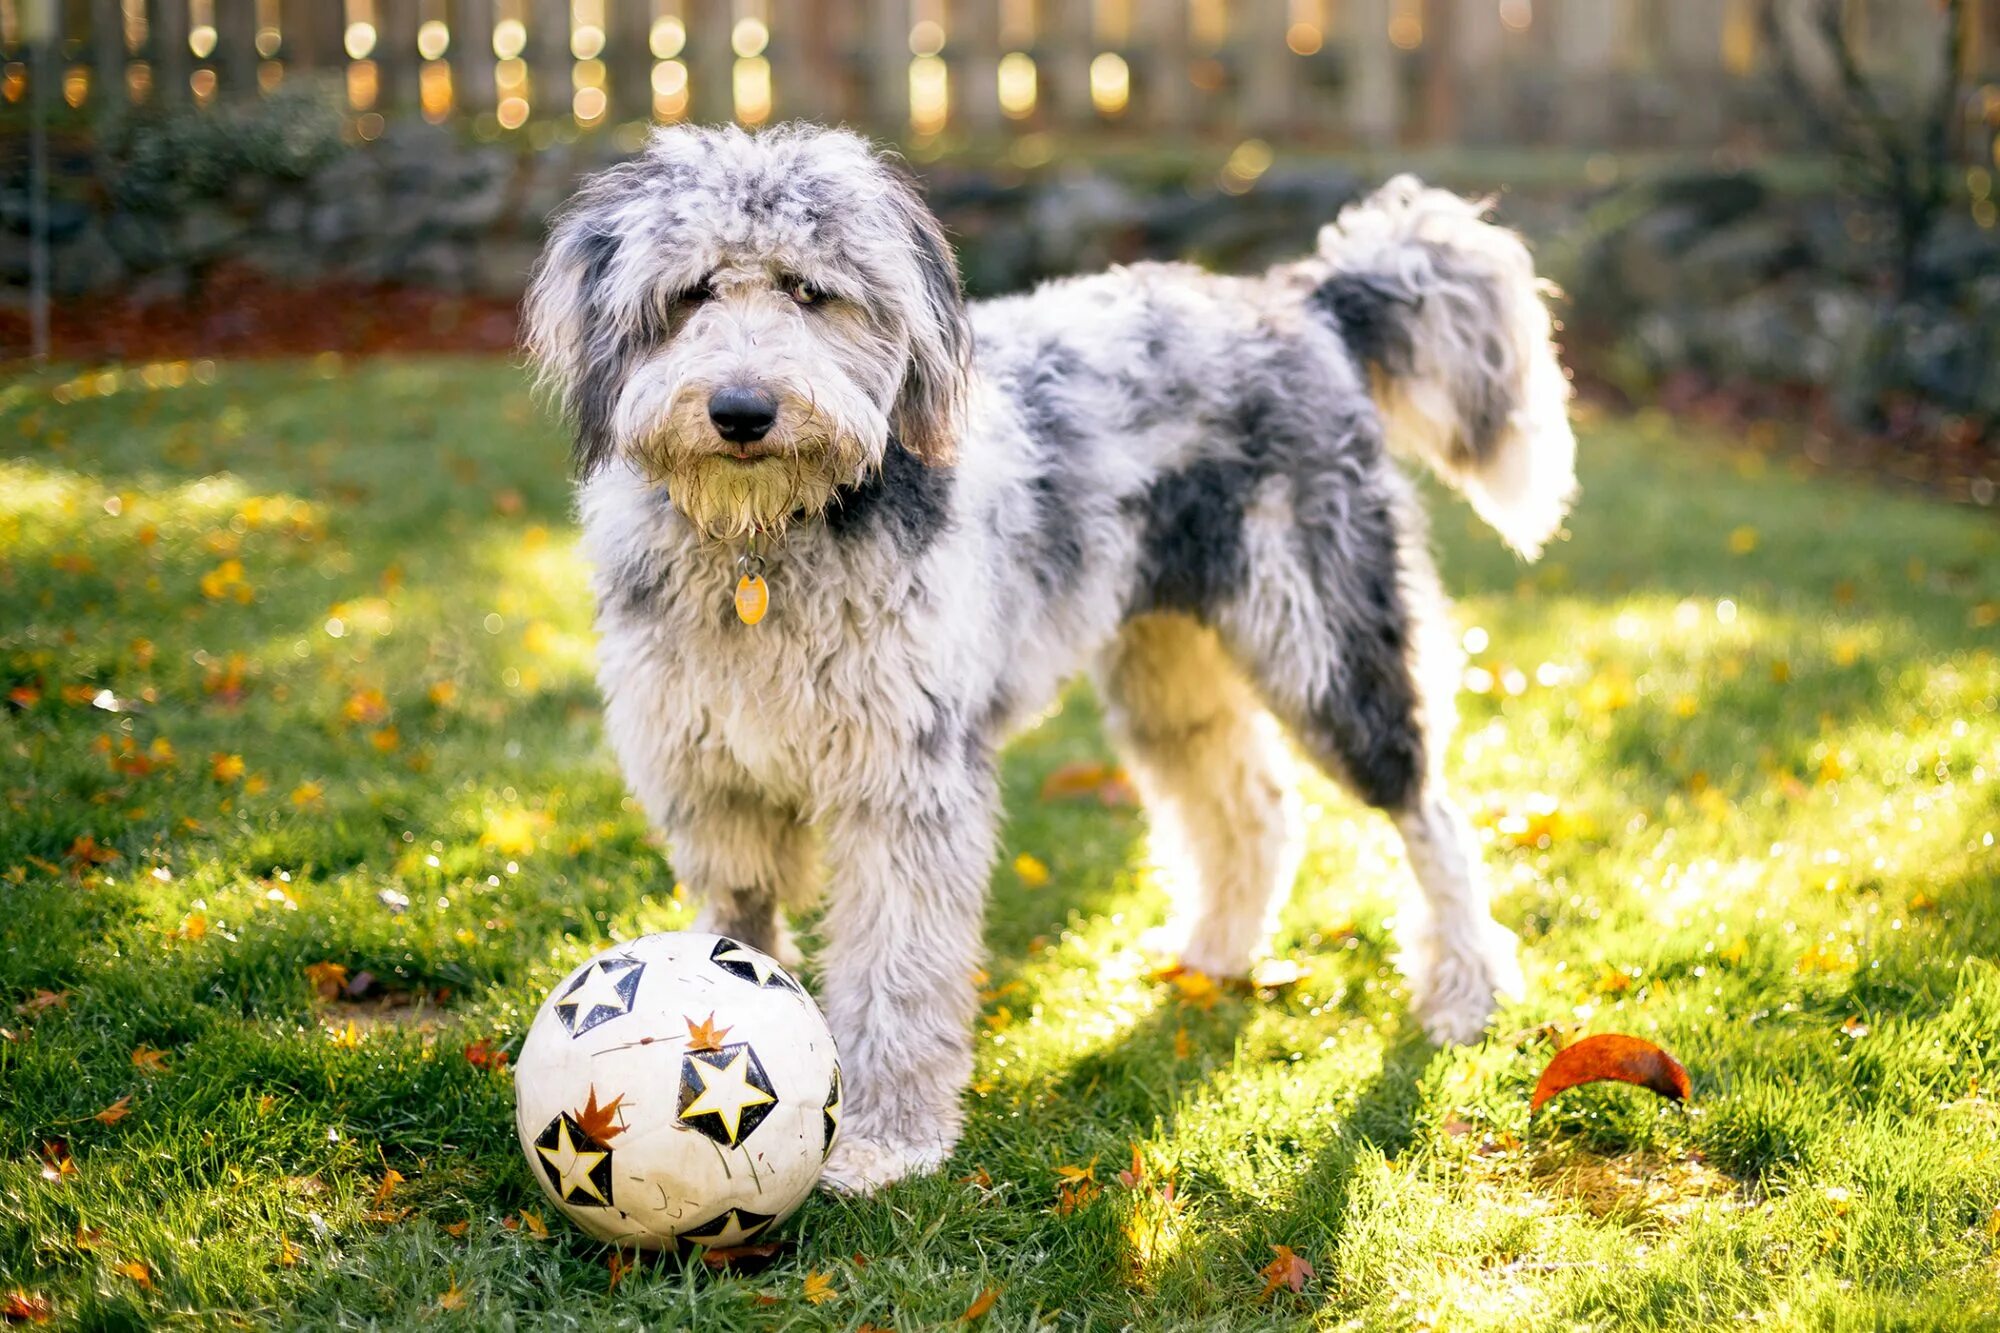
<point x="904" y="910"/>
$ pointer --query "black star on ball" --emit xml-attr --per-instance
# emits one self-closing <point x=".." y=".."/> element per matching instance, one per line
<point x="740" y="960"/>
<point x="577" y="1165"/>
<point x="732" y="1226"/>
<point x="603" y="992"/>
<point x="725" y="1093"/>
<point x="830" y="1113"/>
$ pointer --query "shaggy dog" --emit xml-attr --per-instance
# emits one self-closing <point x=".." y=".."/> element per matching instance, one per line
<point x="1177" y="481"/>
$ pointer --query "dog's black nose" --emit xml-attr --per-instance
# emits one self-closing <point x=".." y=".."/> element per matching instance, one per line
<point x="742" y="415"/>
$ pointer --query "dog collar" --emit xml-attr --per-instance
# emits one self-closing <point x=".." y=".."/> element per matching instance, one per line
<point x="753" y="595"/>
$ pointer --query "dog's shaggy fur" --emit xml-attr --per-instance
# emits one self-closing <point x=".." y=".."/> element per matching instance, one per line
<point x="1178" y="481"/>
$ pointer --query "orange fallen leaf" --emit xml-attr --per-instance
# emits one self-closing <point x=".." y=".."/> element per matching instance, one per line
<point x="1183" y="1045"/>
<point x="1136" y="1176"/>
<point x="596" y="1121"/>
<point x="705" y="1035"/>
<point x="457" y="1230"/>
<point x="980" y="1305"/>
<point x="137" y="1271"/>
<point x="1197" y="988"/>
<point x="482" y="1054"/>
<point x="288" y="1253"/>
<point x="149" y="1061"/>
<point x="1086" y="779"/>
<point x="40" y="1000"/>
<point x="1613" y="1056"/>
<point x="115" y="1112"/>
<point x="327" y="978"/>
<point x="390" y="1179"/>
<point x="1289" y="1269"/>
<point x="818" y="1288"/>
<point x="87" y="1237"/>
<point x="24" y="1307"/>
<point x="534" y="1224"/>
<point x="87" y="851"/>
<point x="453" y="1298"/>
<point x="226" y="767"/>
<point x="57" y="1165"/>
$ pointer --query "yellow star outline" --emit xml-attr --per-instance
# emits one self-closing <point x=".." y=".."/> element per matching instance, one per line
<point x="726" y="1093"/>
<point x="573" y="1165"/>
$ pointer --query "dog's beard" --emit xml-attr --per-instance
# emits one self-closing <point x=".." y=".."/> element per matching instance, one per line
<point x="726" y="499"/>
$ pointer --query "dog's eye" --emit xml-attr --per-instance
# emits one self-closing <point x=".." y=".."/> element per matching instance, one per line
<point x="804" y="292"/>
<point x="696" y="294"/>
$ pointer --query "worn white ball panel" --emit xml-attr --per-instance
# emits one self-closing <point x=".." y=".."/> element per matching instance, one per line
<point x="678" y="1087"/>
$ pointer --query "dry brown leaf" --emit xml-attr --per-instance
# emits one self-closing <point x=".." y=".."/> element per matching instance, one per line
<point x="751" y="1257"/>
<point x="1289" y="1269"/>
<point x="40" y="1000"/>
<point x="149" y="1061"/>
<point x="597" y="1121"/>
<point x="24" y="1307"/>
<point x="619" y="1266"/>
<point x="977" y="1310"/>
<point x="705" y="1035"/>
<point x="457" y="1230"/>
<point x="115" y="1112"/>
<point x="1612" y="1056"/>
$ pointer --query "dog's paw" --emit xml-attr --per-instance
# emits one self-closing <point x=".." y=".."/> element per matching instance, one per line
<point x="1459" y="984"/>
<point x="1176" y="945"/>
<point x="860" y="1167"/>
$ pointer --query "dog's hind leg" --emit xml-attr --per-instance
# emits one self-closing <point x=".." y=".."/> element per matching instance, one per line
<point x="1342" y="625"/>
<point x="1212" y="767"/>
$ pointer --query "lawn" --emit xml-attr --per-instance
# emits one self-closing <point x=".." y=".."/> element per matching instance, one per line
<point x="299" y="671"/>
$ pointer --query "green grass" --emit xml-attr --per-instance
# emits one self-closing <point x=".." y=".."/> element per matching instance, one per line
<point x="1772" y="782"/>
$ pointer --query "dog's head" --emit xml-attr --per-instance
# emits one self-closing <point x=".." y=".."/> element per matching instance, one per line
<point x="752" y="320"/>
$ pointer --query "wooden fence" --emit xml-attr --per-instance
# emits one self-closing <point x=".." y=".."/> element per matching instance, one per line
<point x="1573" y="72"/>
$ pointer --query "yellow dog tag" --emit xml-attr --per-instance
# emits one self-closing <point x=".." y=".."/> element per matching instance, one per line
<point x="753" y="598"/>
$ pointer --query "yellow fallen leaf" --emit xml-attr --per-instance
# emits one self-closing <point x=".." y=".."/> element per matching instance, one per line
<point x="137" y="1271"/>
<point x="1031" y="871"/>
<point x="818" y="1288"/>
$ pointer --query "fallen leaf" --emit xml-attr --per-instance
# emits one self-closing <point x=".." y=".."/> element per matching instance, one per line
<point x="978" y="1179"/>
<point x="87" y="851"/>
<point x="482" y="1054"/>
<point x="1136" y="1176"/>
<point x="1289" y="1269"/>
<point x="705" y="1035"/>
<point x="149" y="1061"/>
<point x="980" y="1305"/>
<point x="1183" y="1045"/>
<point x="288" y="1253"/>
<point x="57" y="1165"/>
<point x="596" y="1121"/>
<point x="1611" y="1055"/>
<point x="137" y="1271"/>
<point x="818" y="1288"/>
<point x="749" y="1257"/>
<point x="1197" y="988"/>
<point x="390" y="1179"/>
<point x="1031" y="871"/>
<point x="226" y="767"/>
<point x="533" y="1222"/>
<point x="23" y="1307"/>
<point x="453" y="1298"/>
<point x="115" y="1112"/>
<point x="619" y="1266"/>
<point x="40" y="1000"/>
<point x="457" y="1230"/>
<point x="87" y="1237"/>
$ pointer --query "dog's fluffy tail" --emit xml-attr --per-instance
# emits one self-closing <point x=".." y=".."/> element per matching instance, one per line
<point x="1446" y="309"/>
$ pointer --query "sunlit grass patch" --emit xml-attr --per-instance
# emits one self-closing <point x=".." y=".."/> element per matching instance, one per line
<point x="304" y="804"/>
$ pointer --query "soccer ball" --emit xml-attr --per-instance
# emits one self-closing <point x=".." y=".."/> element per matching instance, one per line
<point x="681" y="1087"/>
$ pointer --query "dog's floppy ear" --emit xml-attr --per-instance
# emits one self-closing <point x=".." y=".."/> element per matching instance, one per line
<point x="930" y="406"/>
<point x="579" y="350"/>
